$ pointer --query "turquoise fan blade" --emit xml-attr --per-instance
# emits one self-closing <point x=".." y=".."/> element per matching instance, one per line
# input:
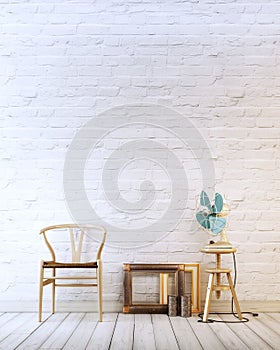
<point x="219" y="203"/>
<point x="204" y="200"/>
<point x="203" y="219"/>
<point x="216" y="224"/>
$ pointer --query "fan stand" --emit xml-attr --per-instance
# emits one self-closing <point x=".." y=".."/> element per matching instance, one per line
<point x="223" y="243"/>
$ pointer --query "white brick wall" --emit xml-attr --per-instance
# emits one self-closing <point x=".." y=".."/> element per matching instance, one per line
<point x="216" y="62"/>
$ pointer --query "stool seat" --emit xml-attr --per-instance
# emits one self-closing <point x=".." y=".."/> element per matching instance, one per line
<point x="218" y="270"/>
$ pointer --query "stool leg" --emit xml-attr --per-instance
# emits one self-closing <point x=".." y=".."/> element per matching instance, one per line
<point x="218" y="278"/>
<point x="208" y="297"/>
<point x="234" y="296"/>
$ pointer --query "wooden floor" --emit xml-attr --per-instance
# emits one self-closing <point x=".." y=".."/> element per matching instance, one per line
<point x="121" y="332"/>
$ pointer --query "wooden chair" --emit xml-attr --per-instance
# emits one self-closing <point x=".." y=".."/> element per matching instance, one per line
<point x="79" y="240"/>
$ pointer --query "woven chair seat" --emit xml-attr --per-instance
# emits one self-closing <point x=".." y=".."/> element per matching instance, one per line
<point x="56" y="264"/>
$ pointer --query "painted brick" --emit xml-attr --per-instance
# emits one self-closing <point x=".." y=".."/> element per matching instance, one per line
<point x="215" y="62"/>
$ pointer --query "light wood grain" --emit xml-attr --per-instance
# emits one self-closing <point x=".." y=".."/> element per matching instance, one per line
<point x="6" y="317"/>
<point x="81" y="335"/>
<point x="236" y="303"/>
<point x="270" y="323"/>
<point x="267" y="334"/>
<point x="144" y="338"/>
<point x="274" y="315"/>
<point x="184" y="334"/>
<point x="128" y="331"/>
<point x="29" y="324"/>
<point x="123" y="334"/>
<point x="227" y="336"/>
<point x="11" y="325"/>
<point x="207" y="337"/>
<point x="251" y="339"/>
<point x="208" y="297"/>
<point x="74" y="235"/>
<point x="42" y="333"/>
<point x="103" y="333"/>
<point x="164" y="336"/>
<point x="59" y="337"/>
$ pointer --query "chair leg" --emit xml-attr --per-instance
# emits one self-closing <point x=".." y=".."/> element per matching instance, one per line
<point x="208" y="297"/>
<point x="99" y="283"/>
<point x="41" y="292"/>
<point x="53" y="291"/>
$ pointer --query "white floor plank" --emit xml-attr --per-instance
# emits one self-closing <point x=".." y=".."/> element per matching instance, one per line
<point x="45" y="329"/>
<point x="184" y="334"/>
<point x="250" y="338"/>
<point x="227" y="336"/>
<point x="60" y="336"/>
<point x="103" y="333"/>
<point x="164" y="336"/>
<point x="137" y="332"/>
<point x="6" y="317"/>
<point x="144" y="338"/>
<point x="21" y="332"/>
<point x="206" y="336"/>
<point x="81" y="335"/>
<point x="274" y="315"/>
<point x="10" y="326"/>
<point x="270" y="323"/>
<point x="123" y="334"/>
<point x="267" y="334"/>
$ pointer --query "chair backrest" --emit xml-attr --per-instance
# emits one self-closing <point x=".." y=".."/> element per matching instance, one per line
<point x="71" y="242"/>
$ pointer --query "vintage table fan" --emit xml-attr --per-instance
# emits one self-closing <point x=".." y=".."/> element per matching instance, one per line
<point x="212" y="217"/>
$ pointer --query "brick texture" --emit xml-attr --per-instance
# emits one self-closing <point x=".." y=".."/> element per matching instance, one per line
<point x="216" y="62"/>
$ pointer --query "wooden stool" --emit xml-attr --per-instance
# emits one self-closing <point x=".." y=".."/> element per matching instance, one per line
<point x="218" y="287"/>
